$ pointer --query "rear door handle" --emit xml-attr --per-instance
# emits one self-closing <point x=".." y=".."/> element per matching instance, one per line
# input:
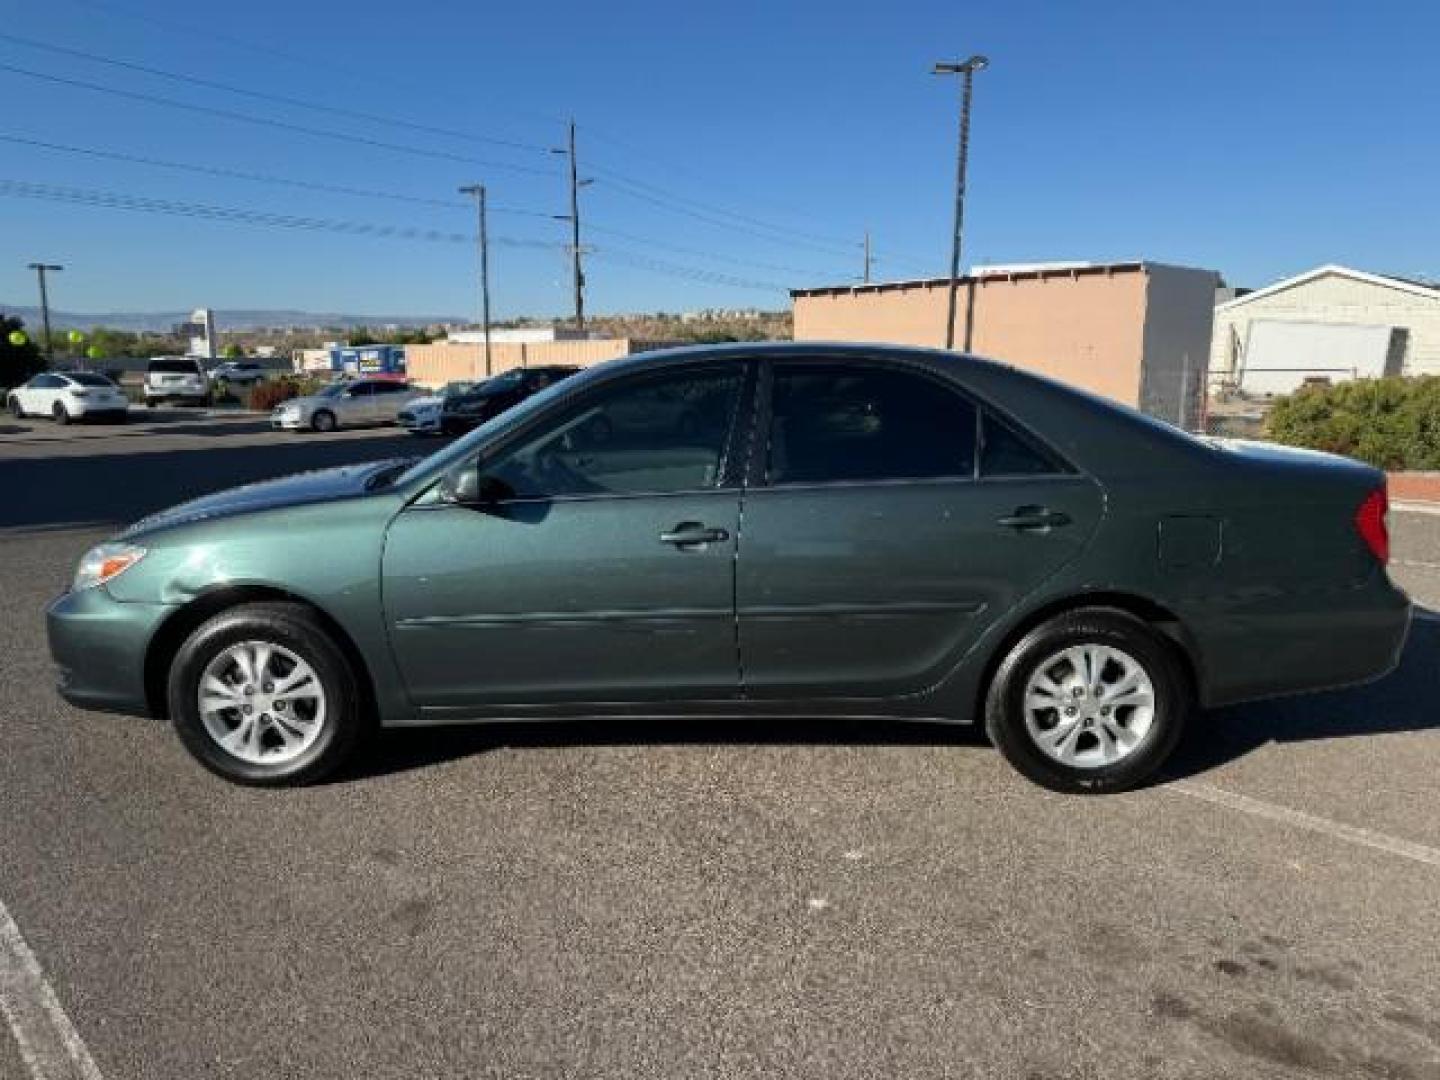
<point x="1034" y="518"/>
<point x="693" y="533"/>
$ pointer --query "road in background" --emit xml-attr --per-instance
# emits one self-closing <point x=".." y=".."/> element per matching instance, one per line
<point x="625" y="899"/>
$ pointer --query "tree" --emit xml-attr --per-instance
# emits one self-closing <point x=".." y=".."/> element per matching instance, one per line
<point x="17" y="362"/>
<point x="232" y="352"/>
<point x="362" y="335"/>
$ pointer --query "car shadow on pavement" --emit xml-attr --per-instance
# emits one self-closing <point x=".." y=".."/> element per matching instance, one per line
<point x="1400" y="702"/>
<point x="83" y="489"/>
<point x="399" y="750"/>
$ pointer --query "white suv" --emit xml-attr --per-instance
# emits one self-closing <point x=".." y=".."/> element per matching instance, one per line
<point x="176" y="378"/>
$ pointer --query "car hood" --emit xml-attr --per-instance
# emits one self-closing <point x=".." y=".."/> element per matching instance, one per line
<point x="324" y="485"/>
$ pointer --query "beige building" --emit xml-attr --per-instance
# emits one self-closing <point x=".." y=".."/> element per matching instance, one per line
<point x="1136" y="332"/>
<point x="1330" y="323"/>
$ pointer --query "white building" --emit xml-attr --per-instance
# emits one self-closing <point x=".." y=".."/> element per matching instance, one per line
<point x="1329" y="323"/>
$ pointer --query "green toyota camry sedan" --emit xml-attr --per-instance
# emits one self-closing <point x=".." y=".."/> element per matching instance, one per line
<point x="753" y="530"/>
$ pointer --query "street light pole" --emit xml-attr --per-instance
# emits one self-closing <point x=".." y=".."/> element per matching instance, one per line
<point x="478" y="191"/>
<point x="966" y="69"/>
<point x="41" y="269"/>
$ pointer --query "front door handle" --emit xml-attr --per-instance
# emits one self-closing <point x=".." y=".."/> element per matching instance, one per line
<point x="692" y="534"/>
<point x="1036" y="518"/>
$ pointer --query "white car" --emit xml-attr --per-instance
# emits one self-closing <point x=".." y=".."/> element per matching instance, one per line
<point x="176" y="378"/>
<point x="421" y="416"/>
<point x="68" y="395"/>
<point x="346" y="404"/>
<point x="238" y="372"/>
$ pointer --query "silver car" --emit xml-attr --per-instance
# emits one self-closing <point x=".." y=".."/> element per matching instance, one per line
<point x="346" y="404"/>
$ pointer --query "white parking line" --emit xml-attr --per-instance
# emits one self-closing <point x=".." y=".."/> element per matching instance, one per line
<point x="49" y="1045"/>
<point x="1351" y="834"/>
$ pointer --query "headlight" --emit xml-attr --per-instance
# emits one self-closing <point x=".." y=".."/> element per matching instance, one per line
<point x="104" y="563"/>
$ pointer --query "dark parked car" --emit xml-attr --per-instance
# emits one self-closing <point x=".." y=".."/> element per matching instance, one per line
<point x="783" y="530"/>
<point x="465" y="412"/>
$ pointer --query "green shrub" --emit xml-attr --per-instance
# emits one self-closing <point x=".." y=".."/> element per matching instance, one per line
<point x="1393" y="423"/>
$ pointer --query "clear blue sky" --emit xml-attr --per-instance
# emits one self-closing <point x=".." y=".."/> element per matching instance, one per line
<point x="1256" y="139"/>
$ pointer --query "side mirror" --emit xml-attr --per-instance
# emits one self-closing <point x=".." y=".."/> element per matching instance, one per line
<point x="468" y="486"/>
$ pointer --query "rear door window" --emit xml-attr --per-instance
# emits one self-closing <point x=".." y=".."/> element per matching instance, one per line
<point x="1005" y="450"/>
<point x="833" y="423"/>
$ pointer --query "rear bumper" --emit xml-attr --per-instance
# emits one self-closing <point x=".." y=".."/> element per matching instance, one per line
<point x="1269" y="647"/>
<point x="99" y="645"/>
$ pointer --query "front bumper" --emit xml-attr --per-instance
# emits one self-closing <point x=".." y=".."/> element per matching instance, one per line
<point x="99" y="645"/>
<point x="289" y="422"/>
<point x="420" y="424"/>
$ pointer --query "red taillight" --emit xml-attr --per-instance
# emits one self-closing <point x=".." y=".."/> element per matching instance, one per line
<point x="1370" y="523"/>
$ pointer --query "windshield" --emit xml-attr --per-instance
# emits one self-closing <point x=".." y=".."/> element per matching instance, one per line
<point x="503" y="382"/>
<point x="457" y="451"/>
<point x="334" y="390"/>
<point x="176" y="366"/>
<point x="455" y="389"/>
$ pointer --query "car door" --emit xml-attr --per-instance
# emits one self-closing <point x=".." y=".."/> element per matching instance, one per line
<point x="43" y="392"/>
<point x="356" y="406"/>
<point x="601" y="570"/>
<point x="389" y="397"/>
<point x="874" y="551"/>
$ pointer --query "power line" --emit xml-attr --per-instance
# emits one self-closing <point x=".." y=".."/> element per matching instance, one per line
<point x="691" y="273"/>
<point x="112" y="200"/>
<point x="309" y="63"/>
<point x="264" y="121"/>
<point x="340" y="189"/>
<point x="658" y="194"/>
<point x="230" y="88"/>
<point x="261" y="178"/>
<point x="665" y="245"/>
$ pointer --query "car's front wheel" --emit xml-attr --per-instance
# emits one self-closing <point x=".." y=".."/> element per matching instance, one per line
<point x="261" y="695"/>
<point x="60" y="413"/>
<point x="324" y="420"/>
<point x="16" y="409"/>
<point x="1090" y="701"/>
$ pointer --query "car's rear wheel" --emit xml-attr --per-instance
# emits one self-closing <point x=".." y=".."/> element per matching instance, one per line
<point x="324" y="420"/>
<point x="1090" y="701"/>
<point x="60" y="413"/>
<point x="261" y="695"/>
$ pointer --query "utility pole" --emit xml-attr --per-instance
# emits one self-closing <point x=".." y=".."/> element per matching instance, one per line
<point x="967" y="68"/>
<point x="867" y="256"/>
<point x="41" y="269"/>
<point x="478" y="191"/>
<point x="577" y="270"/>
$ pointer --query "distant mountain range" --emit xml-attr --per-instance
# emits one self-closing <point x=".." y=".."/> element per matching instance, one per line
<point x="240" y="319"/>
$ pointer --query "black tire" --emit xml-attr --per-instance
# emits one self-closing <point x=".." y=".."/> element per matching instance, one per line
<point x="62" y="417"/>
<point x="1155" y="654"/>
<point x="16" y="410"/>
<point x="149" y="403"/>
<point x="295" y="628"/>
<point x="324" y="420"/>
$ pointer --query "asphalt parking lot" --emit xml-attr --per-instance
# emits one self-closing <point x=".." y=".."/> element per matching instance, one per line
<point x="684" y="899"/>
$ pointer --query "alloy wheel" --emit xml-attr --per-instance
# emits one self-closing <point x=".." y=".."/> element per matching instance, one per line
<point x="261" y="702"/>
<point x="1089" y="706"/>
